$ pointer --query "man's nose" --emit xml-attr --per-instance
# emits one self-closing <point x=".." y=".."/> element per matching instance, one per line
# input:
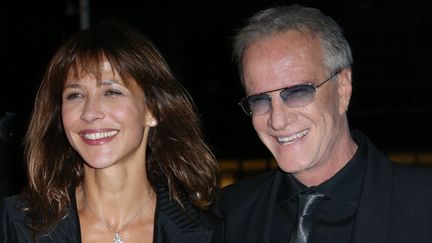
<point x="281" y="115"/>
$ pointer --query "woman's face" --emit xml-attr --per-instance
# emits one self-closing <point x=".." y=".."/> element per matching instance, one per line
<point x="105" y="121"/>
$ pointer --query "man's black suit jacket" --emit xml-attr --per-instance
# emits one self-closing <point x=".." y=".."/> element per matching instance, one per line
<point x="395" y="204"/>
<point x="173" y="224"/>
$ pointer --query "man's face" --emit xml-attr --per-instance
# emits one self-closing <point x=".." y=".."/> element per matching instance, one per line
<point x="308" y="140"/>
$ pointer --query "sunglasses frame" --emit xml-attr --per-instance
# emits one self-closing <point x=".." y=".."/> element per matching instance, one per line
<point x="314" y="86"/>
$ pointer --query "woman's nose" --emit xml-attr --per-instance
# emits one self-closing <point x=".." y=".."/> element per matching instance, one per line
<point x="92" y="110"/>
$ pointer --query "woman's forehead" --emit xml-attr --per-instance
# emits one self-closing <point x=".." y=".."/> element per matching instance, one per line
<point x="94" y="68"/>
<point x="101" y="72"/>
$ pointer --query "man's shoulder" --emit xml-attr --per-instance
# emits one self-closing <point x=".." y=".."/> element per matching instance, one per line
<point x="412" y="186"/>
<point x="412" y="174"/>
<point x="249" y="184"/>
<point x="246" y="190"/>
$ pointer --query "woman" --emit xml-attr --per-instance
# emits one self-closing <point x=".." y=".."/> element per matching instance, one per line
<point x="114" y="149"/>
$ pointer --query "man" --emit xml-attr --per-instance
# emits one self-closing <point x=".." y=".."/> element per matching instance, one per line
<point x="295" y="66"/>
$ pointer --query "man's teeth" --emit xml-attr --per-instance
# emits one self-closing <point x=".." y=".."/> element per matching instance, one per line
<point x="293" y="137"/>
<point x="99" y="135"/>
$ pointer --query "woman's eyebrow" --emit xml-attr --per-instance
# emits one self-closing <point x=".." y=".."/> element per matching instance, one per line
<point x="109" y="82"/>
<point x="72" y="85"/>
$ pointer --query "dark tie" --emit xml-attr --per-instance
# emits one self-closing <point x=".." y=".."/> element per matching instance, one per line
<point x="306" y="204"/>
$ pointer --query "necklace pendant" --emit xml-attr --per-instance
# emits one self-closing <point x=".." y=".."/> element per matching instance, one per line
<point x="117" y="238"/>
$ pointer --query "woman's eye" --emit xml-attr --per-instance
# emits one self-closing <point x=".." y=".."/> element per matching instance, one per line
<point x="113" y="92"/>
<point x="73" y="96"/>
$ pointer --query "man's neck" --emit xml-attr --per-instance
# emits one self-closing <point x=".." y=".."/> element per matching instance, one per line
<point x="333" y="162"/>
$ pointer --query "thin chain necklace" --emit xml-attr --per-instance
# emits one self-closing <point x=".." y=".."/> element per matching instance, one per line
<point x="117" y="237"/>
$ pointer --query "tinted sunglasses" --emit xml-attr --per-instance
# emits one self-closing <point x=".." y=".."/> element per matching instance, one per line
<point x="294" y="96"/>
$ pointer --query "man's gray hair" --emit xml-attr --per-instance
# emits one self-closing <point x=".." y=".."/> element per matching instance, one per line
<point x="277" y="20"/>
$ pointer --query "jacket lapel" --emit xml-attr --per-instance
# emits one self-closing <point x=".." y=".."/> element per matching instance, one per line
<point x="68" y="229"/>
<point x="176" y="224"/>
<point x="258" y="229"/>
<point x="372" y="221"/>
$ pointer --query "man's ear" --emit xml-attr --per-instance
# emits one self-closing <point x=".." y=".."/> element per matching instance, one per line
<point x="344" y="89"/>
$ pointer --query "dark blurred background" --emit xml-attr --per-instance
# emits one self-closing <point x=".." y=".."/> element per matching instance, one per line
<point x="391" y="46"/>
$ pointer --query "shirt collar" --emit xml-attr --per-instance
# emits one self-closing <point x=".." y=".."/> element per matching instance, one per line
<point x="345" y="186"/>
<point x="289" y="187"/>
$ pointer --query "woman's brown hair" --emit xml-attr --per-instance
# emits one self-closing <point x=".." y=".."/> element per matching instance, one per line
<point x="178" y="156"/>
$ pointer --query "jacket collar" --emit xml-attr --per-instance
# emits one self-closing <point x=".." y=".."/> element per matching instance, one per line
<point x="371" y="224"/>
<point x="183" y="225"/>
<point x="172" y="222"/>
<point x="262" y="217"/>
<point x="372" y="220"/>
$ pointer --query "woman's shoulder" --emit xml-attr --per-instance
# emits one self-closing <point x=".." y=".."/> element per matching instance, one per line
<point x="212" y="223"/>
<point x="13" y="220"/>
<point x="186" y="221"/>
<point x="13" y="210"/>
<point x="13" y="207"/>
<point x="208" y="218"/>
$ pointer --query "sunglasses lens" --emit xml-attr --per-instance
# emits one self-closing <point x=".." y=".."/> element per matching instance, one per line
<point x="295" y="96"/>
<point x="256" y="105"/>
<point x="298" y="96"/>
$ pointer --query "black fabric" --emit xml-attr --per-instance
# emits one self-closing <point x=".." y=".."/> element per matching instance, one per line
<point x="14" y="225"/>
<point x="394" y="204"/>
<point x="335" y="216"/>
<point x="172" y="223"/>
